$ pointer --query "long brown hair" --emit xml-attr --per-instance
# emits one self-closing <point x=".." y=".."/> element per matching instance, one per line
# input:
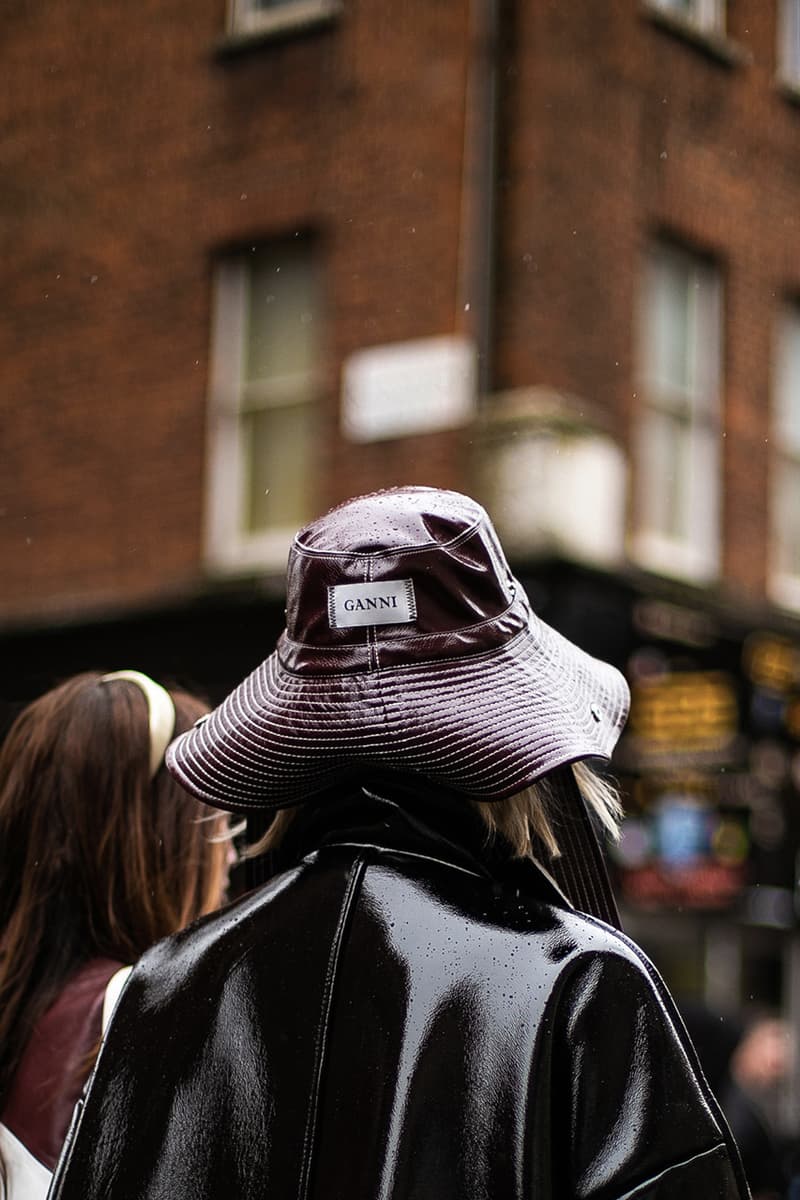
<point x="98" y="859"/>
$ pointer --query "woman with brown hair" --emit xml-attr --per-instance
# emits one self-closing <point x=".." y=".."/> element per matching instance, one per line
<point x="103" y="854"/>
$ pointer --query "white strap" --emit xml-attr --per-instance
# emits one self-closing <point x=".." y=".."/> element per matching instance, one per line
<point x="113" y="992"/>
<point x="27" y="1178"/>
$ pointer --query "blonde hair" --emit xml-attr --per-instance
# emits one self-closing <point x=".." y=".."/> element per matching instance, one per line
<point x="526" y="820"/>
<point x="529" y="818"/>
<point x="275" y="834"/>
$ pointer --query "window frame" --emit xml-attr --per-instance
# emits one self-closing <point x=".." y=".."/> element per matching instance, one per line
<point x="783" y="582"/>
<point x="246" y="21"/>
<point x="706" y="16"/>
<point x="696" y="556"/>
<point x="788" y="43"/>
<point x="229" y="546"/>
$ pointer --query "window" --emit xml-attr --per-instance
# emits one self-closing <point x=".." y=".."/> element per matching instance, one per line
<point x="678" y="438"/>
<point x="707" y="15"/>
<point x="785" y="473"/>
<point x="789" y="41"/>
<point x="256" y="17"/>
<point x="264" y="387"/>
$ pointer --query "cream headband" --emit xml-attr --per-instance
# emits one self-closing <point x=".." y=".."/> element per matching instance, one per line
<point x="161" y="711"/>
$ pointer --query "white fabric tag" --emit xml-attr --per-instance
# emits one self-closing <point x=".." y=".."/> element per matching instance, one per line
<point x="388" y="602"/>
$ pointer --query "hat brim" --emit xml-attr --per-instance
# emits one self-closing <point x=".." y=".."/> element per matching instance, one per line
<point x="487" y="724"/>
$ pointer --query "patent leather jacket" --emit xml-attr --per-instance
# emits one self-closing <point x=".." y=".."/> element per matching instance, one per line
<point x="399" y="1015"/>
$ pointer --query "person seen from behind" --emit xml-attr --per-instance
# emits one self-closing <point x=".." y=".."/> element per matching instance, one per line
<point x="103" y="853"/>
<point x="431" y="997"/>
<point x="723" y="1044"/>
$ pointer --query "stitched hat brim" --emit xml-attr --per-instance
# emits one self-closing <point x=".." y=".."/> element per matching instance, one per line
<point x="487" y="724"/>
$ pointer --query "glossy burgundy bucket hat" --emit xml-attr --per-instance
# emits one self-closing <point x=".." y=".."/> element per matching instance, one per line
<point x="409" y="646"/>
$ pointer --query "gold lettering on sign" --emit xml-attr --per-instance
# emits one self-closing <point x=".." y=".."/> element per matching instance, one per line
<point x="688" y="710"/>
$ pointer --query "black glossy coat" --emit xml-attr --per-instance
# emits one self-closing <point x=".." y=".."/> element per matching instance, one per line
<point x="397" y="1016"/>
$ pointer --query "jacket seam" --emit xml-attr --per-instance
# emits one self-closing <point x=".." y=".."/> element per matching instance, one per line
<point x="309" y="1138"/>
<point x="712" y="1104"/>
<point x="386" y="852"/>
<point x="662" y="1175"/>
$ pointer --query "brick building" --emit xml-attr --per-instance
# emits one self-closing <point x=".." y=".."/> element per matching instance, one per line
<point x="266" y="255"/>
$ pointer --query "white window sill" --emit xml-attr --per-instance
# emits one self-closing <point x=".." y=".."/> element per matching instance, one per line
<point x="711" y="41"/>
<point x="676" y="560"/>
<point x="784" y="590"/>
<point x="265" y="553"/>
<point x="295" y="16"/>
<point x="788" y="86"/>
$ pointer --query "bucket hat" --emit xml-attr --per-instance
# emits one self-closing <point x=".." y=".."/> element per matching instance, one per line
<point x="409" y="646"/>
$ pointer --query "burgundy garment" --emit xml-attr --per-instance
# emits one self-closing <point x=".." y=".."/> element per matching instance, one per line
<point x="55" y="1065"/>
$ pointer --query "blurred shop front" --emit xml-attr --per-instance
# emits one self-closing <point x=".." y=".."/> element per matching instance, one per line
<point x="707" y="865"/>
<point x="711" y="763"/>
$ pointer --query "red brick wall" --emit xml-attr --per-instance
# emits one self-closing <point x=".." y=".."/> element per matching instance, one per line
<point x="616" y="129"/>
<point x="134" y="153"/>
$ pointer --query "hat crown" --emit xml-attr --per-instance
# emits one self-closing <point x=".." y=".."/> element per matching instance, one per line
<point x="440" y="550"/>
<point x="392" y="519"/>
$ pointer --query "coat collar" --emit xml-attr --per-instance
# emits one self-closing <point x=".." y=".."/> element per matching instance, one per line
<point x="407" y="815"/>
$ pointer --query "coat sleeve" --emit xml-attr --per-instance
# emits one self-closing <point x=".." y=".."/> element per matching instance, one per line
<point x="636" y="1116"/>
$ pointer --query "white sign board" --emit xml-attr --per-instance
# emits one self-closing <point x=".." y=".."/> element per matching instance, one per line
<point x="408" y="388"/>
